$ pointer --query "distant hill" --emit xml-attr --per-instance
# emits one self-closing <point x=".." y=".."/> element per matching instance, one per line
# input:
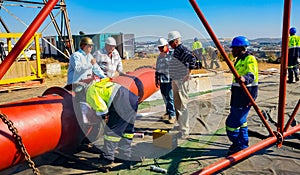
<point x="267" y="40"/>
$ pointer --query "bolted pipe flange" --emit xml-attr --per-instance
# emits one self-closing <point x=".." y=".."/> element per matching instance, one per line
<point x="279" y="137"/>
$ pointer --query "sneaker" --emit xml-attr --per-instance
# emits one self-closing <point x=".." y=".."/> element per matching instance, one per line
<point x="165" y="117"/>
<point x="172" y="120"/>
<point x="289" y="81"/>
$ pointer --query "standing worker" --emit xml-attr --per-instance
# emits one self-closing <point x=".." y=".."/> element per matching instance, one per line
<point x="293" y="55"/>
<point x="109" y="58"/>
<point x="163" y="80"/>
<point x="247" y="68"/>
<point x="213" y="53"/>
<point x="181" y="64"/>
<point x="198" y="51"/>
<point x="82" y="64"/>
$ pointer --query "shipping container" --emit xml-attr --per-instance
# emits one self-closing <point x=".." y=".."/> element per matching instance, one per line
<point x="125" y="44"/>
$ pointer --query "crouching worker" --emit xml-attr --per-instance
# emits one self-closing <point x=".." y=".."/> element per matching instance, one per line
<point x="115" y="102"/>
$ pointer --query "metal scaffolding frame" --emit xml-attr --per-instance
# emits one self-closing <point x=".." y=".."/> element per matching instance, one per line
<point x="63" y="30"/>
<point x="275" y="137"/>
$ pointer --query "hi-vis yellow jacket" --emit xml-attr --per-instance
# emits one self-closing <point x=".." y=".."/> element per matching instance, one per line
<point x="196" y="45"/>
<point x="100" y="95"/>
<point x="247" y="65"/>
<point x="294" y="51"/>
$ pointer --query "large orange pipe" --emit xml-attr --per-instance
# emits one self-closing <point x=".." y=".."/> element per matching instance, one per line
<point x="44" y="123"/>
<point x="140" y="82"/>
<point x="49" y="122"/>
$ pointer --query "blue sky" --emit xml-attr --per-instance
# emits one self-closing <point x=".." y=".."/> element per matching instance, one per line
<point x="251" y="18"/>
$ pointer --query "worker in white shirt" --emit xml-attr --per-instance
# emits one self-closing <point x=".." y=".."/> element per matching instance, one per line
<point x="109" y="58"/>
<point x="82" y="64"/>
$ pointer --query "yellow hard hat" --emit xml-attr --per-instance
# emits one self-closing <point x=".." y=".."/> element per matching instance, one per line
<point x="86" y="40"/>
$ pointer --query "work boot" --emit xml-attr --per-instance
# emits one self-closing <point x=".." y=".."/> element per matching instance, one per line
<point x="182" y="135"/>
<point x="104" y="163"/>
<point x="232" y="149"/>
<point x="165" y="117"/>
<point x="172" y="120"/>
<point x="129" y="164"/>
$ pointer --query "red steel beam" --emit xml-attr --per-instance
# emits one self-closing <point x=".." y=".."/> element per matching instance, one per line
<point x="25" y="38"/>
<point x="284" y="63"/>
<point x="231" y="67"/>
<point x="292" y="117"/>
<point x="234" y="158"/>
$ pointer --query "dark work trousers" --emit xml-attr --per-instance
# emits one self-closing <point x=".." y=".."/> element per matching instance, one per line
<point x="236" y="127"/>
<point x="119" y="130"/>
<point x="293" y="71"/>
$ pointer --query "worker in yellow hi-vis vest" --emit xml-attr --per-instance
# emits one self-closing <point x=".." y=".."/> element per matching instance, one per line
<point x="294" y="55"/>
<point x="118" y="106"/>
<point x="199" y="53"/>
<point x="247" y="68"/>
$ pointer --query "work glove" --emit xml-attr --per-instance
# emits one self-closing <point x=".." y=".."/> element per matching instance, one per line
<point x="156" y="79"/>
<point x="157" y="84"/>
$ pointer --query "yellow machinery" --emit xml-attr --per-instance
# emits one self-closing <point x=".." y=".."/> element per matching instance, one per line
<point x="23" y="71"/>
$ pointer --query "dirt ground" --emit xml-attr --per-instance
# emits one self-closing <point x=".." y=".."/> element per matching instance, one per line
<point x="208" y="142"/>
<point x="129" y="65"/>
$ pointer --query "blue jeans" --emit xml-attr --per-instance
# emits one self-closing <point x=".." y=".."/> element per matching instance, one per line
<point x="167" y="94"/>
<point x="236" y="127"/>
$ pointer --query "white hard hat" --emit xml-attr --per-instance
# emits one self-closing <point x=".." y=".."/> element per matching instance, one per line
<point x="110" y="41"/>
<point x="161" y="42"/>
<point x="173" y="35"/>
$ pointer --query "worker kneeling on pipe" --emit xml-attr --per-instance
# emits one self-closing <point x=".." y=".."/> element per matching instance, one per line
<point x="116" y="103"/>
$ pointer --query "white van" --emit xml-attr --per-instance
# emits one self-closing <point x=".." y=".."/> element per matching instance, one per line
<point x="30" y="54"/>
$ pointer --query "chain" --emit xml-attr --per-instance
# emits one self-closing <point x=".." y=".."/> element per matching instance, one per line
<point x="19" y="143"/>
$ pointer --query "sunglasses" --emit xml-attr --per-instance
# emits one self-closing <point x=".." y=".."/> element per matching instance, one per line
<point x="171" y="42"/>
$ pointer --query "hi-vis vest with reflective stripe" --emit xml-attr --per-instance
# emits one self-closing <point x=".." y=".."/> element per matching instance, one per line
<point x="294" y="41"/>
<point x="244" y="66"/>
<point x="196" y="45"/>
<point x="100" y="94"/>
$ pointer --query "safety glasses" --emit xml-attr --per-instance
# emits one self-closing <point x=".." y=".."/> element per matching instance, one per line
<point x="171" y="42"/>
